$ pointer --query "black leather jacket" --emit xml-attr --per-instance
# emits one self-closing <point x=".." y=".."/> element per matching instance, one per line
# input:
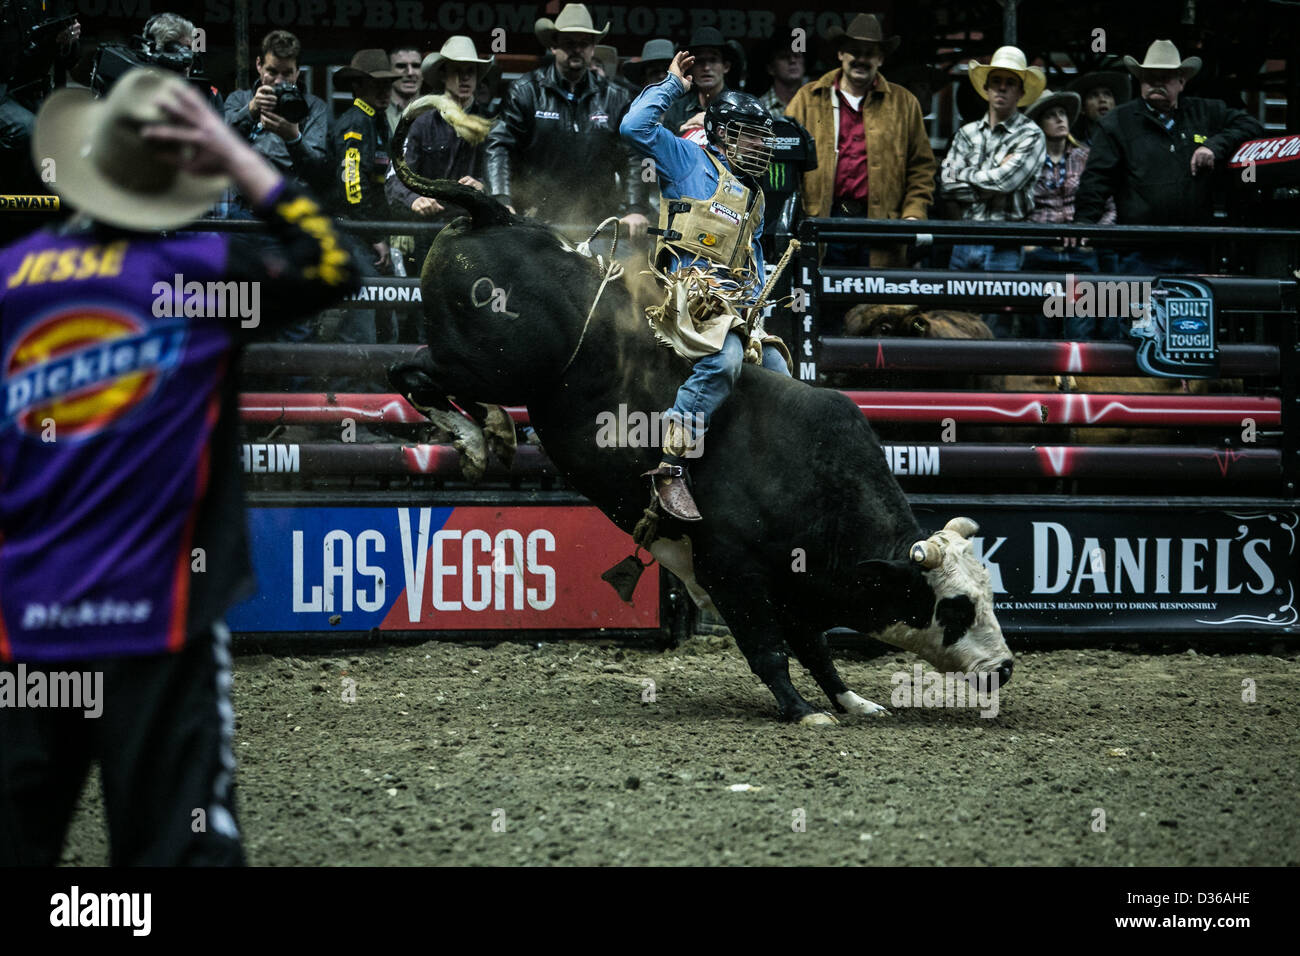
<point x="1148" y="169"/>
<point x="561" y="153"/>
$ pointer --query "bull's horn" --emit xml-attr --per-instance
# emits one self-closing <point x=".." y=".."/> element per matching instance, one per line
<point x="962" y="526"/>
<point x="927" y="554"/>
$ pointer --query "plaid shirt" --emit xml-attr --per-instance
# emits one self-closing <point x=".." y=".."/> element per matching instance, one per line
<point x="1057" y="184"/>
<point x="992" y="171"/>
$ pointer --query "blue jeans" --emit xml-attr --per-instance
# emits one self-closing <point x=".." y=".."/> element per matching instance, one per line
<point x="988" y="259"/>
<point x="711" y="381"/>
<point x="1151" y="262"/>
<point x="1047" y="259"/>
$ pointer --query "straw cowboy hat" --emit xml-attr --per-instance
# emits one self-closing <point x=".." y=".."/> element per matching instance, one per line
<point x="107" y="169"/>
<point x="1071" y="101"/>
<point x="365" y="65"/>
<point x="1012" y="60"/>
<point x="654" y="51"/>
<point x="457" y="49"/>
<point x="1113" y="80"/>
<point x="574" y="18"/>
<point x="864" y="27"/>
<point x="1163" y="55"/>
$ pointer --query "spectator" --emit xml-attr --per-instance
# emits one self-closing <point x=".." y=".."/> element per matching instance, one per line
<point x="993" y="163"/>
<point x="1155" y="155"/>
<point x="555" y="150"/>
<point x="103" y="528"/>
<point x="447" y="141"/>
<point x="359" y="145"/>
<point x="785" y="67"/>
<point x="359" y="140"/>
<point x="714" y="59"/>
<point x="652" y="66"/>
<point x="169" y="44"/>
<point x="605" y="64"/>
<point x="873" y="152"/>
<point x="405" y="61"/>
<point x="1101" y="92"/>
<point x="297" y="149"/>
<point x="1054" y="194"/>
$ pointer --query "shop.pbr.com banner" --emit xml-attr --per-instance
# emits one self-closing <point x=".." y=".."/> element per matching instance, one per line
<point x="1206" y="570"/>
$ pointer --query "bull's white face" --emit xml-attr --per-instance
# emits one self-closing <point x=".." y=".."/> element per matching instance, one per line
<point x="963" y="633"/>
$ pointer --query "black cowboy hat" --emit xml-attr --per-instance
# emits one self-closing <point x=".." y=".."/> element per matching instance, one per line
<point x="732" y="51"/>
<point x="866" y="28"/>
<point x="653" y="51"/>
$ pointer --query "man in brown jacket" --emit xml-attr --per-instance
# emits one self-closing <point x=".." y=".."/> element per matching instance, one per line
<point x="873" y="153"/>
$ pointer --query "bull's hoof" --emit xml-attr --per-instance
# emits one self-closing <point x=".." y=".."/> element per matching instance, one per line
<point x="817" y="720"/>
<point x="499" y="431"/>
<point x="860" y="706"/>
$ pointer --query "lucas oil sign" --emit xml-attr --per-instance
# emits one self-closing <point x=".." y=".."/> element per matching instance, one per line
<point x="464" y="568"/>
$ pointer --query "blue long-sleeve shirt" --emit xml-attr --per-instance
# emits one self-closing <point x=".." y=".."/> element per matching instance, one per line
<point x="680" y="166"/>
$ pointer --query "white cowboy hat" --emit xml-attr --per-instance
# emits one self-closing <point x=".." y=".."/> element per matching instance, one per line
<point x="1163" y="55"/>
<point x="457" y="49"/>
<point x="1011" y="59"/>
<point x="574" y="18"/>
<point x="107" y="169"/>
<point x="1072" y="102"/>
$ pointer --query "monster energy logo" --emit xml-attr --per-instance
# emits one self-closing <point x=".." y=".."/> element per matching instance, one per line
<point x="776" y="176"/>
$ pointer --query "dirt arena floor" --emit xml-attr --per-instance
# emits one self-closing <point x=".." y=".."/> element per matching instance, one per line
<point x="519" y="754"/>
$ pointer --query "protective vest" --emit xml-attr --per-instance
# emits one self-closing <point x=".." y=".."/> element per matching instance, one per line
<point x="719" y="228"/>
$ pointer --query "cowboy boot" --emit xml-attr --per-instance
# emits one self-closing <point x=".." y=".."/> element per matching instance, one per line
<point x="669" y="478"/>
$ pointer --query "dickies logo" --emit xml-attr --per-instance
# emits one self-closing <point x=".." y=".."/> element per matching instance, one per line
<point x="85" y="367"/>
<point x="547" y="114"/>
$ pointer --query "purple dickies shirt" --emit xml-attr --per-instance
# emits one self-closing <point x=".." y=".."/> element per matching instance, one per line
<point x="110" y="395"/>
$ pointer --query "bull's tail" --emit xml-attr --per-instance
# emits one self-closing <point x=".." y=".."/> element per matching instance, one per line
<point x="483" y="209"/>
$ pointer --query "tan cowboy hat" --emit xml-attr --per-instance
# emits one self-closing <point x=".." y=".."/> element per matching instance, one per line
<point x="107" y="169"/>
<point x="365" y="65"/>
<point x="574" y="18"/>
<point x="1163" y="55"/>
<point x="457" y="49"/>
<point x="1011" y="59"/>
<point x="1072" y="102"/>
<point x="864" y="27"/>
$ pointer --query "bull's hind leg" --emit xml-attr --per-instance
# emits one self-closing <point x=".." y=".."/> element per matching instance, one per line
<point x="414" y="379"/>
<point x="814" y="653"/>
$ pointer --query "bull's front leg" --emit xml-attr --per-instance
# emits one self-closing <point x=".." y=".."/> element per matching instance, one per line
<point x="762" y="639"/>
<point x="815" y="654"/>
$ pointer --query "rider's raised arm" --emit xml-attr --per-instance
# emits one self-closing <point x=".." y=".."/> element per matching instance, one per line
<point x="642" y="130"/>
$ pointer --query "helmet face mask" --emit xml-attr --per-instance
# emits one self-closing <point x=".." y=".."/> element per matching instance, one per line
<point x="739" y="125"/>
<point x="748" y="147"/>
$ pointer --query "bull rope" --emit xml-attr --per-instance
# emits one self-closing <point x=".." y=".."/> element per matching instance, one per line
<point x="613" y="271"/>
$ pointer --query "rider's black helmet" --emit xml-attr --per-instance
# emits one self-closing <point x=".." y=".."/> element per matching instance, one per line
<point x="740" y="125"/>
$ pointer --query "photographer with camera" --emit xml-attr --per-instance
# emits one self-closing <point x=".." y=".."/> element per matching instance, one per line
<point x="280" y="121"/>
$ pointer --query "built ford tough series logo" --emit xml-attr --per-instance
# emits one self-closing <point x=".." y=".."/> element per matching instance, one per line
<point x="1177" y="333"/>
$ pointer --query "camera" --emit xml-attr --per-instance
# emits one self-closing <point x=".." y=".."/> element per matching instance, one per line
<point x="290" y="103"/>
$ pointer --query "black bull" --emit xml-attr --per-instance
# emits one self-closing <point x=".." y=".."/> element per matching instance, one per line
<point x="804" y="526"/>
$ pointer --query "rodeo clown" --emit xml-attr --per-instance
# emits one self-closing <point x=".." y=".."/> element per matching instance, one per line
<point x="709" y="257"/>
